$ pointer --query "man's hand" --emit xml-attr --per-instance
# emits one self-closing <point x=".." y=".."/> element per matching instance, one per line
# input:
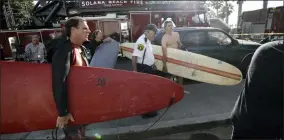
<point x="62" y="121"/>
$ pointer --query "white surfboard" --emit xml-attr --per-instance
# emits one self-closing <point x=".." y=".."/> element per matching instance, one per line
<point x="192" y="66"/>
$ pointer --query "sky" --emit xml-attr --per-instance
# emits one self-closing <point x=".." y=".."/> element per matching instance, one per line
<point x="249" y="6"/>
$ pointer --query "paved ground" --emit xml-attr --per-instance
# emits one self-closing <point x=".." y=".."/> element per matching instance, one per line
<point x="222" y="132"/>
<point x="206" y="103"/>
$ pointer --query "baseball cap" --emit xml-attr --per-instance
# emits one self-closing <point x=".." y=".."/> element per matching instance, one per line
<point x="151" y="27"/>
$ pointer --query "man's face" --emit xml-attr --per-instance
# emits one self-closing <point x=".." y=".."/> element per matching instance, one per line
<point x="81" y="32"/>
<point x="150" y="35"/>
<point x="169" y="26"/>
<point x="35" y="40"/>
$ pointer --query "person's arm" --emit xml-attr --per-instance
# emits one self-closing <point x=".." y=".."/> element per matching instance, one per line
<point x="27" y="52"/>
<point x="164" y="49"/>
<point x="178" y="41"/>
<point x="60" y="70"/>
<point x="139" y="49"/>
<point x="44" y="53"/>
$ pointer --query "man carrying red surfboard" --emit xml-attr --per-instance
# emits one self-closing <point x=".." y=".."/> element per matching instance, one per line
<point x="170" y="40"/>
<point x="143" y="59"/>
<point x="70" y="52"/>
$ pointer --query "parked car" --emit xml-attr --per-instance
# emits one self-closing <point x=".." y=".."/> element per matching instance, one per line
<point x="272" y="38"/>
<point x="215" y="43"/>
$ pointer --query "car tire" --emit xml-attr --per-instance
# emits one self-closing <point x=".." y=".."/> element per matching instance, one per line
<point x="245" y="64"/>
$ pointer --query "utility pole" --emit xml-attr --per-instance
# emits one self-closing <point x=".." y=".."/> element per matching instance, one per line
<point x="227" y="12"/>
<point x="265" y="3"/>
<point x="240" y="3"/>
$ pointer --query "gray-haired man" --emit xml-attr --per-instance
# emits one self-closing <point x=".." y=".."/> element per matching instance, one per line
<point x="35" y="50"/>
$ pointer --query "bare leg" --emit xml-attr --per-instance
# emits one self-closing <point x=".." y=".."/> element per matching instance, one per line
<point x="180" y="81"/>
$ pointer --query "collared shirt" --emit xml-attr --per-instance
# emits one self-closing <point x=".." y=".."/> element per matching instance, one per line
<point x="139" y="48"/>
<point x="35" y="52"/>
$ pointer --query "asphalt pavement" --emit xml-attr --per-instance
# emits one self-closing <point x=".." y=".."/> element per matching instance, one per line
<point x="220" y="132"/>
<point x="206" y="107"/>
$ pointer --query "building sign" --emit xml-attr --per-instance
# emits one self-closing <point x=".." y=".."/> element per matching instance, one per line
<point x="129" y="3"/>
<point x="110" y="3"/>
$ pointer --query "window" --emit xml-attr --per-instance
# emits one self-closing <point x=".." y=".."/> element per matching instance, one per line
<point x="219" y="38"/>
<point x="194" y="38"/>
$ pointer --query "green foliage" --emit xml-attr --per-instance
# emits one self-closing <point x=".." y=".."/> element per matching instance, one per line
<point x="222" y="13"/>
<point x="218" y="8"/>
<point x="217" y="4"/>
<point x="22" y="9"/>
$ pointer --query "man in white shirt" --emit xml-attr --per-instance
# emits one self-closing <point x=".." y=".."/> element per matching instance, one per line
<point x="143" y="59"/>
<point x="35" y="50"/>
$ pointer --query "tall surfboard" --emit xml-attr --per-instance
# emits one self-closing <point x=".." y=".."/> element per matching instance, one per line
<point x="95" y="95"/>
<point x="192" y="66"/>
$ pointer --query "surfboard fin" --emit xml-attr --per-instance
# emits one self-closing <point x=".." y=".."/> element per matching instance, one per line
<point x="172" y="100"/>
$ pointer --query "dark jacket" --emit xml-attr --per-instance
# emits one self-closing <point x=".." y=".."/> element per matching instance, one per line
<point x="258" y="112"/>
<point x="92" y="46"/>
<point x="61" y="62"/>
<point x="51" y="46"/>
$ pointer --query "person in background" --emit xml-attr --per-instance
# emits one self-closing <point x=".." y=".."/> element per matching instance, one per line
<point x="171" y="40"/>
<point x="35" y="51"/>
<point x="69" y="53"/>
<point x="1" y="52"/>
<point x="115" y="36"/>
<point x="143" y="59"/>
<point x="97" y="41"/>
<point x="258" y="111"/>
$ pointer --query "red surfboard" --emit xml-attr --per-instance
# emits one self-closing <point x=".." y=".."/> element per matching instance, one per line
<point x="95" y="95"/>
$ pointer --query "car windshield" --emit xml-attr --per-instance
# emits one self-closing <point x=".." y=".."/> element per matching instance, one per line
<point x="219" y="38"/>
